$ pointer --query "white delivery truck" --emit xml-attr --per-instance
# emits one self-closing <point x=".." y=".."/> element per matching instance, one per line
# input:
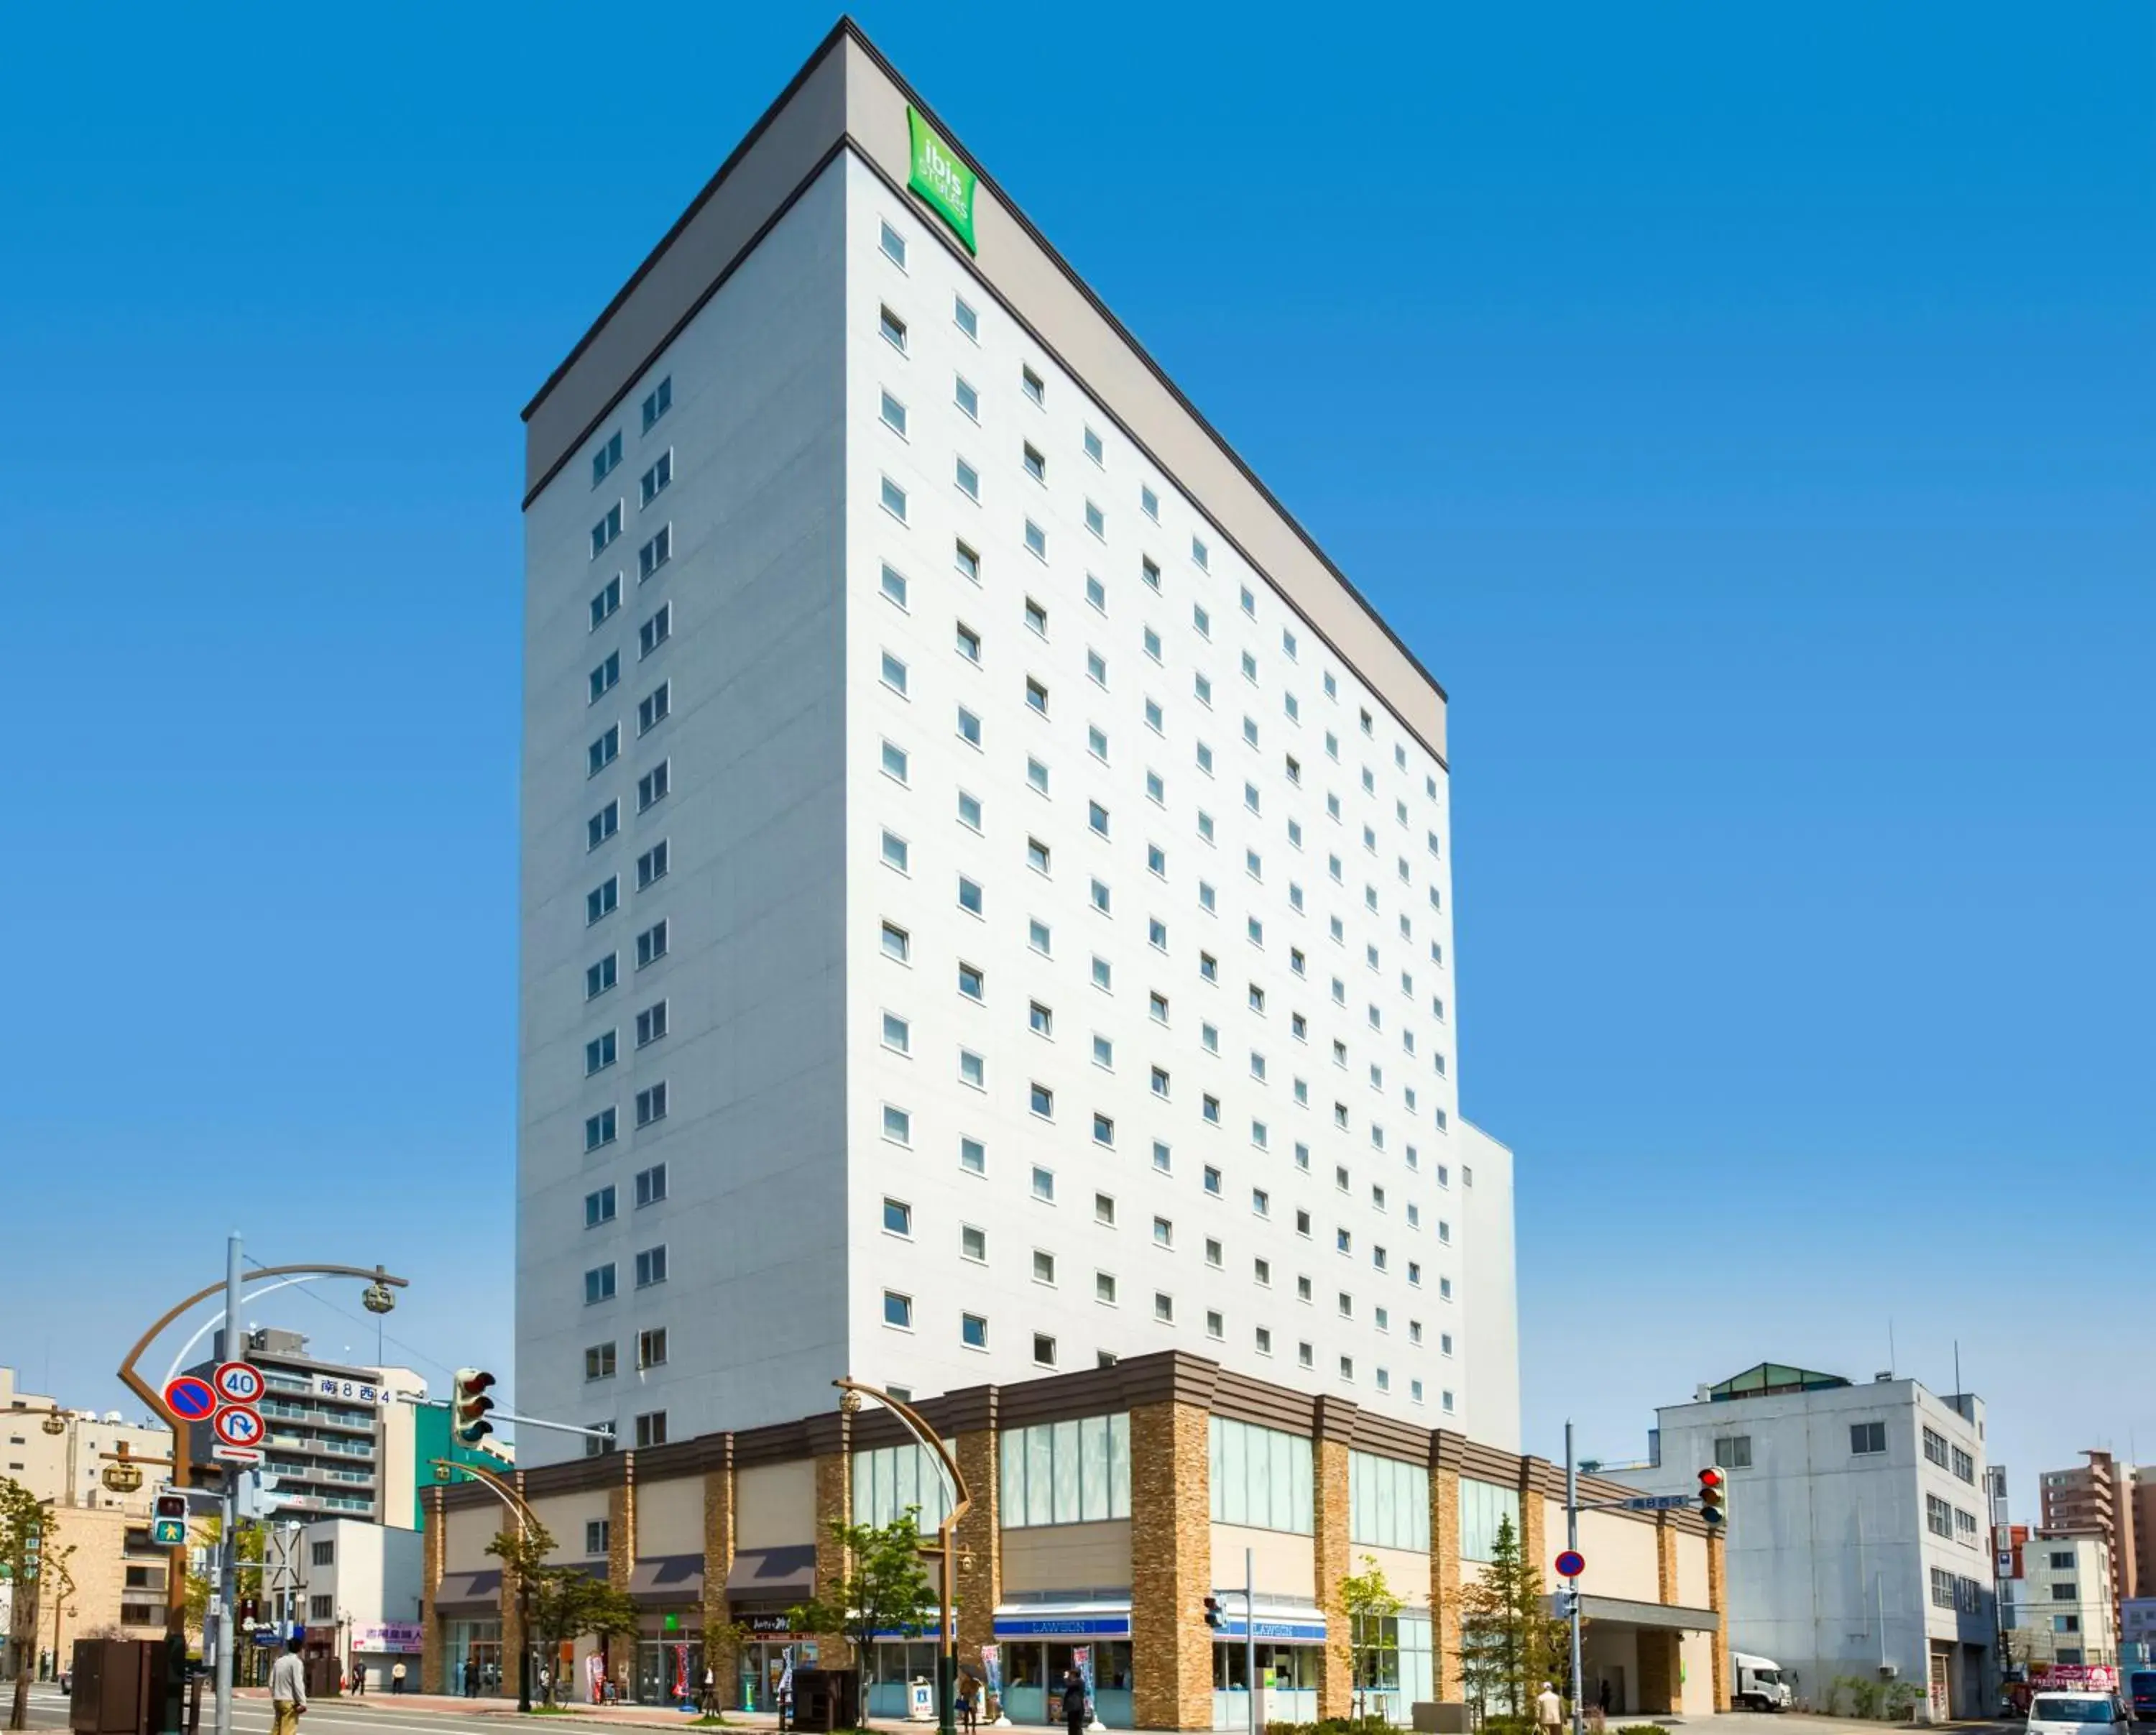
<point x="1759" y="1686"/>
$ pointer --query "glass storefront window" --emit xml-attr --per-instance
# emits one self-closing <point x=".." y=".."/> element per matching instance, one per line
<point x="890" y="1479"/>
<point x="1387" y="1502"/>
<point x="1260" y="1476"/>
<point x="1033" y="1680"/>
<point x="472" y="1658"/>
<point x="1067" y="1472"/>
<point x="1483" y="1506"/>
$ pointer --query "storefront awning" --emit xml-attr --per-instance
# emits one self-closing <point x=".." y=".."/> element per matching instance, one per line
<point x="668" y="1578"/>
<point x="467" y="1593"/>
<point x="773" y="1574"/>
<point x="1669" y="1617"/>
<point x="1107" y="1618"/>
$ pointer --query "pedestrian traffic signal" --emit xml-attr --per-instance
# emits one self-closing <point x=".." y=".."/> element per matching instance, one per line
<point x="1567" y="1604"/>
<point x="1213" y="1616"/>
<point x="468" y="1409"/>
<point x="1713" y="1498"/>
<point x="168" y="1521"/>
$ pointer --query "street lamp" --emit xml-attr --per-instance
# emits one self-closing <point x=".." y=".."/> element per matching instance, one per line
<point x="525" y="1518"/>
<point x="959" y="1502"/>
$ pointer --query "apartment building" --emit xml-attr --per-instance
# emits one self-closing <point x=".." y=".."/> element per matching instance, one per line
<point x="2114" y="1502"/>
<point x="2061" y="1606"/>
<point x="1858" y="1535"/>
<point x="61" y="1454"/>
<point x="341" y="1437"/>
<point x="986" y="905"/>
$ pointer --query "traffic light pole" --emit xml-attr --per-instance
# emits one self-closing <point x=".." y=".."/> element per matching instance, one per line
<point x="228" y="1553"/>
<point x="1572" y="1546"/>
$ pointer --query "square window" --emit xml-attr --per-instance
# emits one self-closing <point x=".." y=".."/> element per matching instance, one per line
<point x="1044" y="1184"/>
<point x="897" y="1125"/>
<point x="967" y="563"/>
<point x="894" y="851"/>
<point x="1163" y="1307"/>
<point x="1041" y="1099"/>
<point x="1104" y="1287"/>
<point x="1030" y="383"/>
<point x="973" y="1330"/>
<point x="600" y="977"/>
<point x="964" y="318"/>
<point x="972" y="1070"/>
<point x="1044" y="1350"/>
<point x="968" y="478"/>
<point x="893" y="329"/>
<point x="1036" y="541"/>
<point x="893" y="244"/>
<point x="965" y="397"/>
<point x="897" y="1217"/>
<point x="893" y="499"/>
<point x="973" y="1157"/>
<point x="969" y="810"/>
<point x="972" y="1244"/>
<point x="894" y="415"/>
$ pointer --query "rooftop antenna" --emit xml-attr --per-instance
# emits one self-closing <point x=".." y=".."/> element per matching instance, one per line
<point x="1956" y="1343"/>
<point x="1890" y="1343"/>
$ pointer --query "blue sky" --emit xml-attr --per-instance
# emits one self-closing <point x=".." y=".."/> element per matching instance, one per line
<point x="1746" y="413"/>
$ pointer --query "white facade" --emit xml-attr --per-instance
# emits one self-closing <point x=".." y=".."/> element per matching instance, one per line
<point x="356" y="1587"/>
<point x="1857" y="1534"/>
<point x="2062" y="1611"/>
<point x="1058" y="946"/>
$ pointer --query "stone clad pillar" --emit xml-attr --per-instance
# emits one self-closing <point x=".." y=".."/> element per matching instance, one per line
<point x="1171" y="1562"/>
<point x="1534" y="1517"/>
<point x="621" y="1526"/>
<point x="977" y="1581"/>
<point x="1329" y="1507"/>
<point x="1445" y="1568"/>
<point x="831" y="1443"/>
<point x="721" y="1651"/>
<point x="1666" y="1559"/>
<point x="1718" y="1599"/>
<point x="512" y="1620"/>
<point x="434" y="1560"/>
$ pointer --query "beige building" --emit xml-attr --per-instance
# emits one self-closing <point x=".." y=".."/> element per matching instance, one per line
<point x="66" y="1465"/>
<point x="102" y="1579"/>
<point x="1105" y="1505"/>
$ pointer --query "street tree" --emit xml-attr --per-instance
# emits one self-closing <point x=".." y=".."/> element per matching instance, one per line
<point x="24" y="1520"/>
<point x="884" y="1589"/>
<point x="560" y="1604"/>
<point x="1370" y="1606"/>
<point x="1507" y="1644"/>
<point x="202" y="1539"/>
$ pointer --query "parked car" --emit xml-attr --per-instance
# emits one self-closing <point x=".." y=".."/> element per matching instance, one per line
<point x="2077" y="1714"/>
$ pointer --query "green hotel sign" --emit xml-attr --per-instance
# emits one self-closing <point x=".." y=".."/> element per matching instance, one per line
<point x="939" y="178"/>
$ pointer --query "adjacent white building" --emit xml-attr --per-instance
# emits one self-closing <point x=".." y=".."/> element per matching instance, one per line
<point x="354" y="1584"/>
<point x="2061" y="1610"/>
<point x="987" y="900"/>
<point x="1858" y="1541"/>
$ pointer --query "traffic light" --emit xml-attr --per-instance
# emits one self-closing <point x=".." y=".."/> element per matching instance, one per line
<point x="1567" y="1604"/>
<point x="468" y="1409"/>
<point x="1213" y="1616"/>
<point x="168" y="1521"/>
<point x="1713" y="1498"/>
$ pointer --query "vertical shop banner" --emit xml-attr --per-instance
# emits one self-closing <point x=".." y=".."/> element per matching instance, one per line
<point x="939" y="178"/>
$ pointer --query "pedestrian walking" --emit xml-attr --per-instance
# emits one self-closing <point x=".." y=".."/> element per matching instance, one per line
<point x="397" y="1679"/>
<point x="969" y="1704"/>
<point x="359" y="1681"/>
<point x="1549" y="1709"/>
<point x="471" y="1675"/>
<point x="709" y="1704"/>
<point x="288" y="1691"/>
<point x="1073" y="1702"/>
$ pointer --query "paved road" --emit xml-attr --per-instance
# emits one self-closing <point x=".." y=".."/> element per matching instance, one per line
<point x="385" y="1714"/>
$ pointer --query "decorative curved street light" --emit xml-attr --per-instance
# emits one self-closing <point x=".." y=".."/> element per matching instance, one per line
<point x="520" y="1509"/>
<point x="958" y="1501"/>
<point x="130" y="1376"/>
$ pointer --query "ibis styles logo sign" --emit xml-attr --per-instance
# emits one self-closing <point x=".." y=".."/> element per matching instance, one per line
<point x="939" y="178"/>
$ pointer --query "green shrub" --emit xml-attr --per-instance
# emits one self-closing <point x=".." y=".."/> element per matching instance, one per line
<point x="1640" y="1729"/>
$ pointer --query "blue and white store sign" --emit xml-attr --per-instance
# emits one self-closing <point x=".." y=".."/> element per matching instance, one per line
<point x="1294" y="1626"/>
<point x="1064" y="1620"/>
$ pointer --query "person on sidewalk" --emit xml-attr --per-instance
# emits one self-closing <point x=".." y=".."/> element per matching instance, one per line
<point x="1549" y="1709"/>
<point x="359" y="1680"/>
<point x="1074" y="1702"/>
<point x="288" y="1691"/>
<point x="397" y="1679"/>
<point x="969" y="1704"/>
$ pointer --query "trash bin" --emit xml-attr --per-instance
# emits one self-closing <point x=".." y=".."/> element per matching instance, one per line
<point x="826" y="1699"/>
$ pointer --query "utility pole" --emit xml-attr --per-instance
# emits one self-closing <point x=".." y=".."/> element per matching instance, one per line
<point x="227" y="1565"/>
<point x="1250" y="1634"/>
<point x="1572" y="1546"/>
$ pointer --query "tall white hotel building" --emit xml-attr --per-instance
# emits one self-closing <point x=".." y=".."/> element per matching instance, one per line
<point x="987" y="903"/>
